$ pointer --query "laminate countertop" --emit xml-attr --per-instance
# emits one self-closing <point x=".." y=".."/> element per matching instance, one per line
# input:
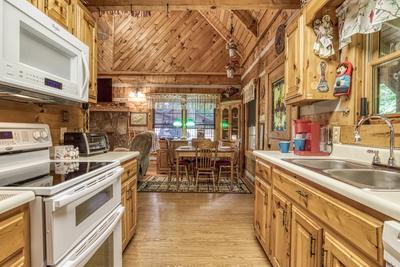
<point x="113" y="156"/>
<point x="13" y="199"/>
<point x="385" y="202"/>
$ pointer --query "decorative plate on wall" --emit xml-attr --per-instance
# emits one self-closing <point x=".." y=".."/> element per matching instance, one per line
<point x="280" y="39"/>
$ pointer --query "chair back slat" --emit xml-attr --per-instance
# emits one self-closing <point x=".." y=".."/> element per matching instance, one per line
<point x="206" y="154"/>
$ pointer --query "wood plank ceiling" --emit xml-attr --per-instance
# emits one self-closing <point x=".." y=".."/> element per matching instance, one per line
<point x="173" y="42"/>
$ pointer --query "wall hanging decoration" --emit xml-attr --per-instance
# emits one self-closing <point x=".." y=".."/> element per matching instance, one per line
<point x="343" y="79"/>
<point x="280" y="39"/>
<point x="229" y="93"/>
<point x="364" y="16"/>
<point x="138" y="119"/>
<point x="323" y="83"/>
<point x="278" y="106"/>
<point x="323" y="45"/>
<point x="230" y="70"/>
<point x="232" y="48"/>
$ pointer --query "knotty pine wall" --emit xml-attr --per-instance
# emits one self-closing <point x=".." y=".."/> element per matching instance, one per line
<point x="262" y="60"/>
<point x="57" y="116"/>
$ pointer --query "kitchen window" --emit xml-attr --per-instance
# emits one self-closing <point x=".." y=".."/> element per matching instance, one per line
<point x="385" y="64"/>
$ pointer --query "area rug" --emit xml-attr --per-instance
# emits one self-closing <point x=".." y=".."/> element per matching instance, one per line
<point x="160" y="184"/>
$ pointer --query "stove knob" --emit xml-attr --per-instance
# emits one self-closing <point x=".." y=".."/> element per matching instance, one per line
<point x="36" y="135"/>
<point x="44" y="134"/>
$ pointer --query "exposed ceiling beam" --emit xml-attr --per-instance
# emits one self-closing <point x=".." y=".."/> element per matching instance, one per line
<point x="220" y="28"/>
<point x="192" y="4"/>
<point x="247" y="20"/>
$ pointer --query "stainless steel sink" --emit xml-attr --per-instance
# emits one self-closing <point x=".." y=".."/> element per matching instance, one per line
<point x="324" y="164"/>
<point x="357" y="174"/>
<point x="373" y="179"/>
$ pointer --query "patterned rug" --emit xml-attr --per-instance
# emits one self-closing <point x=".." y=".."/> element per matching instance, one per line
<point x="160" y="184"/>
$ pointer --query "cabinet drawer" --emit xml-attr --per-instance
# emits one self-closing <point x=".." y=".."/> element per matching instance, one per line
<point x="359" y="228"/>
<point x="12" y="237"/>
<point x="130" y="169"/>
<point x="263" y="171"/>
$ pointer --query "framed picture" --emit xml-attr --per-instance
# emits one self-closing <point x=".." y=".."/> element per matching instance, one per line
<point x="138" y="119"/>
<point x="279" y="121"/>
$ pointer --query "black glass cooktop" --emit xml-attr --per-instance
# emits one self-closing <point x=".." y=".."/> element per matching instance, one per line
<point x="50" y="174"/>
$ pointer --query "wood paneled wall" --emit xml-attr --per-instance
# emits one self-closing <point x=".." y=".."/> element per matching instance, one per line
<point x="57" y="116"/>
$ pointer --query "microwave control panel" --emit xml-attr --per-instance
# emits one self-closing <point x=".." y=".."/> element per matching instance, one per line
<point x="38" y="79"/>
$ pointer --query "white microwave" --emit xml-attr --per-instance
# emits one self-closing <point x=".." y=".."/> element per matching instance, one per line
<point x="39" y="59"/>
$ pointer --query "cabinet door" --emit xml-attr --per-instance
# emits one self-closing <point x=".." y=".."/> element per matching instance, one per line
<point x="338" y="254"/>
<point x="225" y="125"/>
<point x="294" y="59"/>
<point x="280" y="230"/>
<point x="60" y="11"/>
<point x="262" y="212"/>
<point x="86" y="32"/>
<point x="235" y="117"/>
<point x="306" y="240"/>
<point x="132" y="207"/>
<point x="124" y="202"/>
<point x="15" y="237"/>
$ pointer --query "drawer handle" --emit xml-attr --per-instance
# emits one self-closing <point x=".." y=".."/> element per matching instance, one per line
<point x="312" y="246"/>
<point x="302" y="194"/>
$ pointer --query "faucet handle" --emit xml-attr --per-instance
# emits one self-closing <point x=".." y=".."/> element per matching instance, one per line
<point x="376" y="159"/>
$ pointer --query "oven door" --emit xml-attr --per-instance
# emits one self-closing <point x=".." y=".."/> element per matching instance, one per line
<point x="102" y="247"/>
<point x="73" y="213"/>
<point x="40" y="56"/>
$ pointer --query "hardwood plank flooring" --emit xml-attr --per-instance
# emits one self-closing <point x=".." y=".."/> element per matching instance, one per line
<point x="187" y="229"/>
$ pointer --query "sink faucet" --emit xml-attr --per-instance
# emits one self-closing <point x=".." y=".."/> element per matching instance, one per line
<point x="357" y="135"/>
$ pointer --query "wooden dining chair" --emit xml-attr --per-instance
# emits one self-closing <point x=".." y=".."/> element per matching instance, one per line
<point x="183" y="165"/>
<point x="224" y="167"/>
<point x="205" y="161"/>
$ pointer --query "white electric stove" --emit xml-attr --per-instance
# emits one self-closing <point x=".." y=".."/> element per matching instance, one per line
<point x="76" y="215"/>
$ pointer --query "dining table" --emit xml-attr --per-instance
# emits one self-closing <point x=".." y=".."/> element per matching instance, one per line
<point x="185" y="152"/>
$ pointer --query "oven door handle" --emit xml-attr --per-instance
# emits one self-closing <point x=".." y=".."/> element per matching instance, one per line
<point x="90" y="187"/>
<point x="92" y="245"/>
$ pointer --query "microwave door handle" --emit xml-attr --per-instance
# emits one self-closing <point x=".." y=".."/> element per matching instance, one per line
<point x="87" y="71"/>
<point x="69" y="198"/>
<point x="87" y="253"/>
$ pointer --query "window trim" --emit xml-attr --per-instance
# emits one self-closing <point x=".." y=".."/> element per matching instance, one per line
<point x="373" y="45"/>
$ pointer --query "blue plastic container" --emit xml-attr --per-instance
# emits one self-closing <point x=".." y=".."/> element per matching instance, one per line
<point x="284" y="146"/>
<point x="299" y="144"/>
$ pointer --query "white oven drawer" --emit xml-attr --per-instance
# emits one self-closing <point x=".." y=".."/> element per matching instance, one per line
<point x="73" y="213"/>
<point x="102" y="247"/>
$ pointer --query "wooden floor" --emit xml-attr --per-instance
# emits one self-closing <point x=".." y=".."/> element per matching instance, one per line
<point x="187" y="229"/>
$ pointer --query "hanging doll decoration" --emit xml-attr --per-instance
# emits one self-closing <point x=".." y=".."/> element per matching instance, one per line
<point x="343" y="79"/>
<point x="323" y="28"/>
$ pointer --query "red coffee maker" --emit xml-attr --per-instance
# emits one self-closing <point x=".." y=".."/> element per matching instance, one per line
<point x="311" y="132"/>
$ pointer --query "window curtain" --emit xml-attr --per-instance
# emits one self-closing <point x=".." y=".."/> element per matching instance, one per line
<point x="249" y="92"/>
<point x="179" y="101"/>
<point x="364" y="16"/>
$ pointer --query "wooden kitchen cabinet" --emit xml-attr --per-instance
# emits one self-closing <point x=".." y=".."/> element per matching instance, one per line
<point x="306" y="240"/>
<point x="302" y="66"/>
<point x="38" y="4"/>
<point x="336" y="253"/>
<point x="280" y="230"/>
<point x="303" y="221"/>
<point x="262" y="216"/>
<point x="14" y="237"/>
<point x="86" y="31"/>
<point x="129" y="201"/>
<point x="60" y="11"/>
<point x="230" y="120"/>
